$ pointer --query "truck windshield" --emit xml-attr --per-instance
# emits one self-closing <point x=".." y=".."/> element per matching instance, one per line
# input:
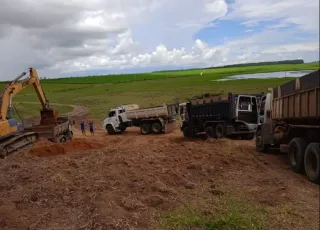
<point x="112" y="113"/>
<point x="244" y="103"/>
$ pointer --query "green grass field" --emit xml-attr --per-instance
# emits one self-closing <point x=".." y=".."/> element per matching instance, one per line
<point x="26" y="110"/>
<point x="99" y="93"/>
<point x="229" y="213"/>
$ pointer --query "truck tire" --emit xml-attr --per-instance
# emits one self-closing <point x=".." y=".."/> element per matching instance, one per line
<point x="312" y="162"/>
<point x="63" y="140"/>
<point x="260" y="145"/>
<point x="157" y="127"/>
<point x="209" y="133"/>
<point x="145" y="129"/>
<point x="297" y="147"/>
<point x="110" y="130"/>
<point x="219" y="130"/>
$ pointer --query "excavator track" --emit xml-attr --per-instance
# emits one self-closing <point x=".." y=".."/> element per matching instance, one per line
<point x="17" y="142"/>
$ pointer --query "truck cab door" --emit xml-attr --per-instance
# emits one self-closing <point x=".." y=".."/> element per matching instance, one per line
<point x="244" y="108"/>
<point x="247" y="109"/>
<point x="113" y="118"/>
<point x="262" y="109"/>
<point x="182" y="113"/>
<point x="255" y="110"/>
<point x="122" y="116"/>
<point x="267" y="122"/>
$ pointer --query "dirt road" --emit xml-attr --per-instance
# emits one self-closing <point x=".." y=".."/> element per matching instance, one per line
<point x="132" y="181"/>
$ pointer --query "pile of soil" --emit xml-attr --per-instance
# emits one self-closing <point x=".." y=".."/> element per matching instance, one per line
<point x="46" y="148"/>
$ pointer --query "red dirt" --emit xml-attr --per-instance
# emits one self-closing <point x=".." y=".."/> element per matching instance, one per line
<point x="46" y="148"/>
<point x="127" y="179"/>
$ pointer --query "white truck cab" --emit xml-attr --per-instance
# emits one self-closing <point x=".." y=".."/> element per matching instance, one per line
<point x="116" y="120"/>
<point x="156" y="120"/>
<point x="183" y="114"/>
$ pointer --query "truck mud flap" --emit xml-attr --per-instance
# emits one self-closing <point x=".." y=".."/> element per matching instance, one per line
<point x="169" y="127"/>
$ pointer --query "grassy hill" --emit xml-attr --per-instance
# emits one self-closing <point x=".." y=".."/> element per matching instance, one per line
<point x="100" y="93"/>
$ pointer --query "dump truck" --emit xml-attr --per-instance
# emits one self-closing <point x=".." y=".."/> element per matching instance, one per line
<point x="59" y="132"/>
<point x="232" y="115"/>
<point x="13" y="134"/>
<point x="291" y="124"/>
<point x="156" y="120"/>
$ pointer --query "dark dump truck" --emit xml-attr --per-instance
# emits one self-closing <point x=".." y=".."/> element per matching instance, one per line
<point x="232" y="115"/>
<point x="291" y="123"/>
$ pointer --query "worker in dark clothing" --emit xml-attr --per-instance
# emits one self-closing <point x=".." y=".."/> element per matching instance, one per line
<point x="83" y="128"/>
<point x="91" y="127"/>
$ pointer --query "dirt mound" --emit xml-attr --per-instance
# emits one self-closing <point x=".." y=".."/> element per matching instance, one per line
<point x="46" y="148"/>
<point x="126" y="181"/>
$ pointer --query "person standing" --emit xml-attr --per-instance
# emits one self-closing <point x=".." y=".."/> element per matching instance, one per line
<point x="91" y="127"/>
<point x="83" y="128"/>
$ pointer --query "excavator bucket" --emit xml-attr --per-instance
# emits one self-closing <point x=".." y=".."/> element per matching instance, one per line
<point x="48" y="116"/>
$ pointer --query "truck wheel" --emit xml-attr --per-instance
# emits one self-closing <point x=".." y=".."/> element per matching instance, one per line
<point x="312" y="162"/>
<point x="63" y="140"/>
<point x="260" y="145"/>
<point x="219" y="130"/>
<point x="145" y="129"/>
<point x="110" y="129"/>
<point x="209" y="133"/>
<point x="156" y="127"/>
<point x="297" y="147"/>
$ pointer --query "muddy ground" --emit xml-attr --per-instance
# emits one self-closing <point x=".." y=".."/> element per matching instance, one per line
<point x="131" y="181"/>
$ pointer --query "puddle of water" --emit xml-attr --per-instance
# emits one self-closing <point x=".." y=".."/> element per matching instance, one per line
<point x="267" y="75"/>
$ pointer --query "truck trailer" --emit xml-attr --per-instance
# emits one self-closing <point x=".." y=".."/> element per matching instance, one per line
<point x="59" y="132"/>
<point x="156" y="120"/>
<point x="232" y="115"/>
<point x="291" y="123"/>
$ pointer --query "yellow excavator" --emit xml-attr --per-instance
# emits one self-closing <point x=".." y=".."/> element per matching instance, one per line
<point x="13" y="134"/>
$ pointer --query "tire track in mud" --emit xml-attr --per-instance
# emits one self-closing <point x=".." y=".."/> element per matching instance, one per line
<point x="79" y="111"/>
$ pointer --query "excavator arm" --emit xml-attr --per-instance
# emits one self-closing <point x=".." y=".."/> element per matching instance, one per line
<point x="48" y="115"/>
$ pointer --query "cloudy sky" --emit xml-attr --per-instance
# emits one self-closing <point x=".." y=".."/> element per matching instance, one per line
<point x="66" y="38"/>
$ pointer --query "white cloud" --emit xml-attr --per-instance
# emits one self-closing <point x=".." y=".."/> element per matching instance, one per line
<point x="313" y="46"/>
<point x="57" y="36"/>
<point x="303" y="13"/>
